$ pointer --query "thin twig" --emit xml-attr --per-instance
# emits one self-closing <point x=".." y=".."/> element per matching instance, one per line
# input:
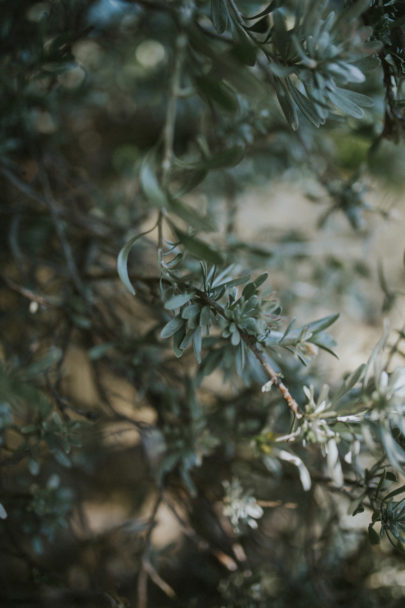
<point x="159" y="582"/>
<point x="67" y="251"/>
<point x="144" y="573"/>
<point x="271" y="504"/>
<point x="27" y="293"/>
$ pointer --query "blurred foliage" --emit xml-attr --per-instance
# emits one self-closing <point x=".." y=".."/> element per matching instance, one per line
<point x="167" y="434"/>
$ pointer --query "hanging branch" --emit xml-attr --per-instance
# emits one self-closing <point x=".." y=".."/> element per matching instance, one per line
<point x="170" y="122"/>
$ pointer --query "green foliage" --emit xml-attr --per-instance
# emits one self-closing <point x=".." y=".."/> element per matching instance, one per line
<point x="156" y="362"/>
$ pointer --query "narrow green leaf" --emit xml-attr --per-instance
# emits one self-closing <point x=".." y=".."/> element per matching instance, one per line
<point x="343" y="102"/>
<point x="198" y="248"/>
<point x="178" y="300"/>
<point x="214" y="90"/>
<point x="190" y="311"/>
<point x="178" y="340"/>
<point x="287" y="105"/>
<point x="187" y="338"/>
<point x="220" y="15"/>
<point x="262" y="13"/>
<point x="358" y="98"/>
<point x="171" y="327"/>
<point x="308" y="108"/>
<point x="400" y="490"/>
<point x="233" y="282"/>
<point x="354" y="378"/>
<point x="322" y="324"/>
<point x="353" y="11"/>
<point x="150" y="184"/>
<point x="192" y="179"/>
<point x="324" y="341"/>
<point x="226" y="158"/>
<point x="251" y="288"/>
<point x="287" y="330"/>
<point x="122" y="260"/>
<point x="211" y="362"/>
<point x="260" y="279"/>
<point x="205" y="316"/>
<point x="190" y="215"/>
<point x="312" y="17"/>
<point x="248" y="291"/>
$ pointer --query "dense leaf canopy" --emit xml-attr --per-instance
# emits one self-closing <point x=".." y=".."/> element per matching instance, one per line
<point x="170" y="431"/>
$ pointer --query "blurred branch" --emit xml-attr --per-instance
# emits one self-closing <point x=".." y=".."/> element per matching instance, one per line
<point x="144" y="572"/>
<point x="66" y="248"/>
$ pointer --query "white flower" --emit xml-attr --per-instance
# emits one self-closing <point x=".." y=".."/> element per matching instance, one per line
<point x="240" y="507"/>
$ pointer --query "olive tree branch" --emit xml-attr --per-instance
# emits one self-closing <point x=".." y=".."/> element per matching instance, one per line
<point x="252" y="344"/>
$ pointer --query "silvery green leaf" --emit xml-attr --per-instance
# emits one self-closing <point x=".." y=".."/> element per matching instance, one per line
<point x="321" y="324"/>
<point x="190" y="311"/>
<point x="198" y="248"/>
<point x="353" y="11"/>
<point x="235" y="338"/>
<point x="213" y="89"/>
<point x="190" y="215"/>
<point x="205" y="316"/>
<point x="178" y="339"/>
<point x="188" y="336"/>
<point x="347" y="72"/>
<point x="171" y="328"/>
<point x="122" y="260"/>
<point x="262" y="13"/>
<point x="312" y="17"/>
<point x="150" y="184"/>
<point x="343" y="102"/>
<point x="324" y="341"/>
<point x="308" y="108"/>
<point x="287" y="104"/>
<point x="211" y="362"/>
<point x="220" y="16"/>
<point x="178" y="300"/>
<point x="359" y="98"/>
